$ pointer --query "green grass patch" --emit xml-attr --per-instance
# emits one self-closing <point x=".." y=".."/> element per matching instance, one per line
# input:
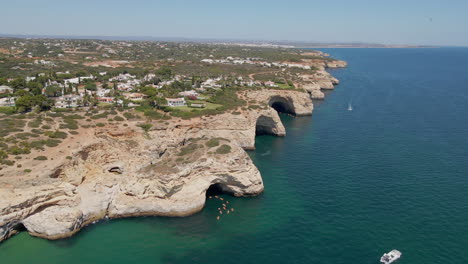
<point x="188" y="149"/>
<point x="214" y="142"/>
<point x="224" y="149"/>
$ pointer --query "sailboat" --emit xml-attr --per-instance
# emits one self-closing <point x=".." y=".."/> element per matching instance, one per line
<point x="350" y="108"/>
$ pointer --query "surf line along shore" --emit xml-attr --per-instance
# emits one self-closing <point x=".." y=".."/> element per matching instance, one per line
<point x="118" y="171"/>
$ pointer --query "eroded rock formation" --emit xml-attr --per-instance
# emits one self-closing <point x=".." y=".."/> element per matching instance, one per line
<point x="119" y="171"/>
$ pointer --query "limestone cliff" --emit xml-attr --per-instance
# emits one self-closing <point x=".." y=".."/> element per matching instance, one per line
<point x="119" y="171"/>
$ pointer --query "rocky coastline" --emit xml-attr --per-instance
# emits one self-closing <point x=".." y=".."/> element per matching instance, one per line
<point x="118" y="171"/>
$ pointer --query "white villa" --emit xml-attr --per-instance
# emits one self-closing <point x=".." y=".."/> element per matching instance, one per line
<point x="68" y="101"/>
<point x="122" y="77"/>
<point x="78" y="79"/>
<point x="270" y="84"/>
<point x="210" y="83"/>
<point x="176" y="102"/>
<point x="7" y="101"/>
<point x="149" y="77"/>
<point x="124" y="87"/>
<point x="189" y="93"/>
<point x="5" y="89"/>
<point x="134" y="96"/>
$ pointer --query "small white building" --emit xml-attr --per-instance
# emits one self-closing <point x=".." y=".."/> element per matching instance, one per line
<point x="7" y="102"/>
<point x="124" y="87"/>
<point x="122" y="77"/>
<point x="134" y="96"/>
<point x="271" y="84"/>
<point x="149" y="77"/>
<point x="78" y="79"/>
<point x="176" y="102"/>
<point x="189" y="93"/>
<point x="5" y="89"/>
<point x="210" y="83"/>
<point x="68" y="101"/>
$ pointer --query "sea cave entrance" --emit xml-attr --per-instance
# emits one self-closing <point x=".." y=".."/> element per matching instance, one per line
<point x="19" y="227"/>
<point x="216" y="189"/>
<point x="282" y="105"/>
<point x="265" y="126"/>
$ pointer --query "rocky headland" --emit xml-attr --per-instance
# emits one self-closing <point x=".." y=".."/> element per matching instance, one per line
<point x="121" y="171"/>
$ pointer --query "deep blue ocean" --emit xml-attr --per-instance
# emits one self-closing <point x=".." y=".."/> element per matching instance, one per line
<point x="342" y="187"/>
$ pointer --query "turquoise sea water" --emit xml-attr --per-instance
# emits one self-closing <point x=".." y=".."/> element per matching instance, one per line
<point x="341" y="187"/>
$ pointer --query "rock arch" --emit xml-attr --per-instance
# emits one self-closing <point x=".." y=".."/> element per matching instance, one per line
<point x="282" y="105"/>
<point x="267" y="125"/>
<point x="216" y="189"/>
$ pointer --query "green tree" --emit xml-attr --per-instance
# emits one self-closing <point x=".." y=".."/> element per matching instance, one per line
<point x="53" y="91"/>
<point x="165" y="72"/>
<point x="91" y="87"/>
<point x="161" y="102"/>
<point x="25" y="103"/>
<point x="35" y="87"/>
<point x="18" y="83"/>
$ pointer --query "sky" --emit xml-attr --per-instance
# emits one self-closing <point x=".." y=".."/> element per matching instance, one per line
<point x="414" y="22"/>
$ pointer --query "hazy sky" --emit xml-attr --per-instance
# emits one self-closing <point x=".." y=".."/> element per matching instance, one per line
<point x="433" y="22"/>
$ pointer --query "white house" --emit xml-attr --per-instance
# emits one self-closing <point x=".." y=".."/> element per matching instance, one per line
<point x="106" y="99"/>
<point x="122" y="77"/>
<point x="176" y="102"/>
<point x="270" y="84"/>
<point x="68" y="101"/>
<point x="149" y="77"/>
<point x="102" y="92"/>
<point x="77" y="79"/>
<point x="7" y="101"/>
<point x="5" y="89"/>
<point x="124" y="87"/>
<point x="210" y="83"/>
<point x="189" y="93"/>
<point x="134" y="96"/>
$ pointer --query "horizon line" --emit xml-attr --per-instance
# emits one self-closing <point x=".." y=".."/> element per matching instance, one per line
<point x="201" y="40"/>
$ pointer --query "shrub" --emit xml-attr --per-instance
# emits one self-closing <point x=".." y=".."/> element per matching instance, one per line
<point x="118" y="118"/>
<point x="74" y="116"/>
<point x="38" y="144"/>
<point x="153" y="114"/>
<point x="69" y="124"/>
<point x="100" y="125"/>
<point x="188" y="149"/>
<point x="7" y="162"/>
<point x="56" y="134"/>
<point x="52" y="142"/>
<point x="27" y="171"/>
<point x="99" y="116"/>
<point x="35" y="123"/>
<point x="15" y="150"/>
<point x="7" y="110"/>
<point x="129" y="115"/>
<point x="224" y="149"/>
<point x="40" y="158"/>
<point x="214" y="142"/>
<point x="145" y="127"/>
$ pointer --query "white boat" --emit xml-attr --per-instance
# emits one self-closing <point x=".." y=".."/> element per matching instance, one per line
<point x="350" y="108"/>
<point x="390" y="257"/>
